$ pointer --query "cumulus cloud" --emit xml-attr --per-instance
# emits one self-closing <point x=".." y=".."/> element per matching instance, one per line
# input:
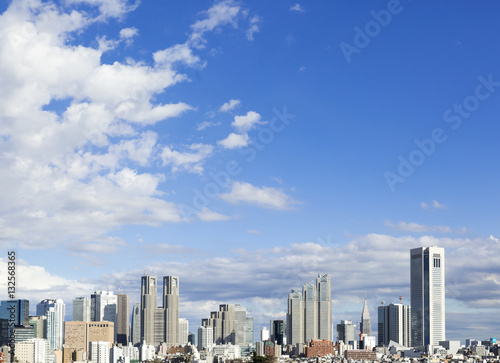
<point x="74" y="173"/>
<point x="190" y="161"/>
<point x="234" y="141"/>
<point x="246" y="122"/>
<point x="229" y="106"/>
<point x="266" y="197"/>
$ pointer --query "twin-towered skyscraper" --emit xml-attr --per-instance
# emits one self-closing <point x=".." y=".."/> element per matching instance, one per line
<point x="310" y="312"/>
<point x="160" y="324"/>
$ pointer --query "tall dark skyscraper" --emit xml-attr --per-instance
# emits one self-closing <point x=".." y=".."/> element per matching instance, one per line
<point x="18" y="310"/>
<point x="122" y="319"/>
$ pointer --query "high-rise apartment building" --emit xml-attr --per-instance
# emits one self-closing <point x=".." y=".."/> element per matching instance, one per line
<point x="394" y="324"/>
<point x="427" y="278"/>
<point x="171" y="306"/>
<point x="122" y="319"/>
<point x="81" y="309"/>
<point x="135" y="331"/>
<point x="366" y="326"/>
<point x="99" y="352"/>
<point x="54" y="310"/>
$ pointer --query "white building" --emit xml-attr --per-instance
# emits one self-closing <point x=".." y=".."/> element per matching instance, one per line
<point x="54" y="310"/>
<point x="226" y="350"/>
<point x="427" y="277"/>
<point x="146" y="352"/>
<point x="205" y="337"/>
<point x="183" y="331"/>
<point x="131" y="352"/>
<point x="33" y="351"/>
<point x="99" y="352"/>
<point x="81" y="309"/>
<point x="264" y="334"/>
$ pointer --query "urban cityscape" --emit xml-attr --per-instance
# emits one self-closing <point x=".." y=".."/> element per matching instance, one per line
<point x="252" y="181"/>
<point x="107" y="328"/>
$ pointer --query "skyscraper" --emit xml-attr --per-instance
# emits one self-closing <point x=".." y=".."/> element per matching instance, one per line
<point x="103" y="306"/>
<point x="54" y="310"/>
<point x="183" y="331"/>
<point x="310" y="311"/>
<point x="366" y="326"/>
<point x="324" y="290"/>
<point x="249" y="330"/>
<point x="346" y="331"/>
<point x="171" y="306"/>
<point x="136" y="324"/>
<point x="314" y="320"/>
<point x="240" y="325"/>
<point x="295" y="318"/>
<point x="394" y="324"/>
<point x="81" y="309"/>
<point x="427" y="277"/>
<point x="148" y="307"/>
<point x="122" y="319"/>
<point x="277" y="331"/>
<point x="20" y="309"/>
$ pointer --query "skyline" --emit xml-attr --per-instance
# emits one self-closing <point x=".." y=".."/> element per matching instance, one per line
<point x="244" y="147"/>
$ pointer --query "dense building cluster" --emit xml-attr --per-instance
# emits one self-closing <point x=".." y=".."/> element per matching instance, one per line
<point x="104" y="329"/>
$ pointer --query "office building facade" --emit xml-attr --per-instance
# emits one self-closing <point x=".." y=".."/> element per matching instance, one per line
<point x="54" y="310"/>
<point x="122" y="319"/>
<point x="81" y="309"/>
<point x="427" y="288"/>
<point x="394" y="323"/>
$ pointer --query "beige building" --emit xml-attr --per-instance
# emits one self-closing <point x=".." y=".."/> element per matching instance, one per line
<point x="79" y="335"/>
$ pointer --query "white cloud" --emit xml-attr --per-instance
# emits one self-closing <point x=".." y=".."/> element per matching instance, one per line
<point x="433" y="205"/>
<point x="177" y="53"/>
<point x="69" y="174"/>
<point x="208" y="215"/>
<point x="221" y="13"/>
<point x="229" y="106"/>
<point x="254" y="27"/>
<point x="266" y="197"/>
<point x="234" y="141"/>
<point x="247" y="122"/>
<point x="297" y="7"/>
<point x="189" y="161"/>
<point x="127" y="33"/>
<point x="206" y="124"/>
<point x="415" y="227"/>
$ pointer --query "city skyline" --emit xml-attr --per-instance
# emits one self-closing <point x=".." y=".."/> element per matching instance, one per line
<point x="245" y="146"/>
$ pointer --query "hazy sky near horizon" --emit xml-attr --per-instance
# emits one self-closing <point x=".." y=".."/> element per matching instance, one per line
<point x="247" y="146"/>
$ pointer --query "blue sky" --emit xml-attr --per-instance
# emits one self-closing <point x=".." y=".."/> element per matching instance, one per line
<point x="245" y="147"/>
